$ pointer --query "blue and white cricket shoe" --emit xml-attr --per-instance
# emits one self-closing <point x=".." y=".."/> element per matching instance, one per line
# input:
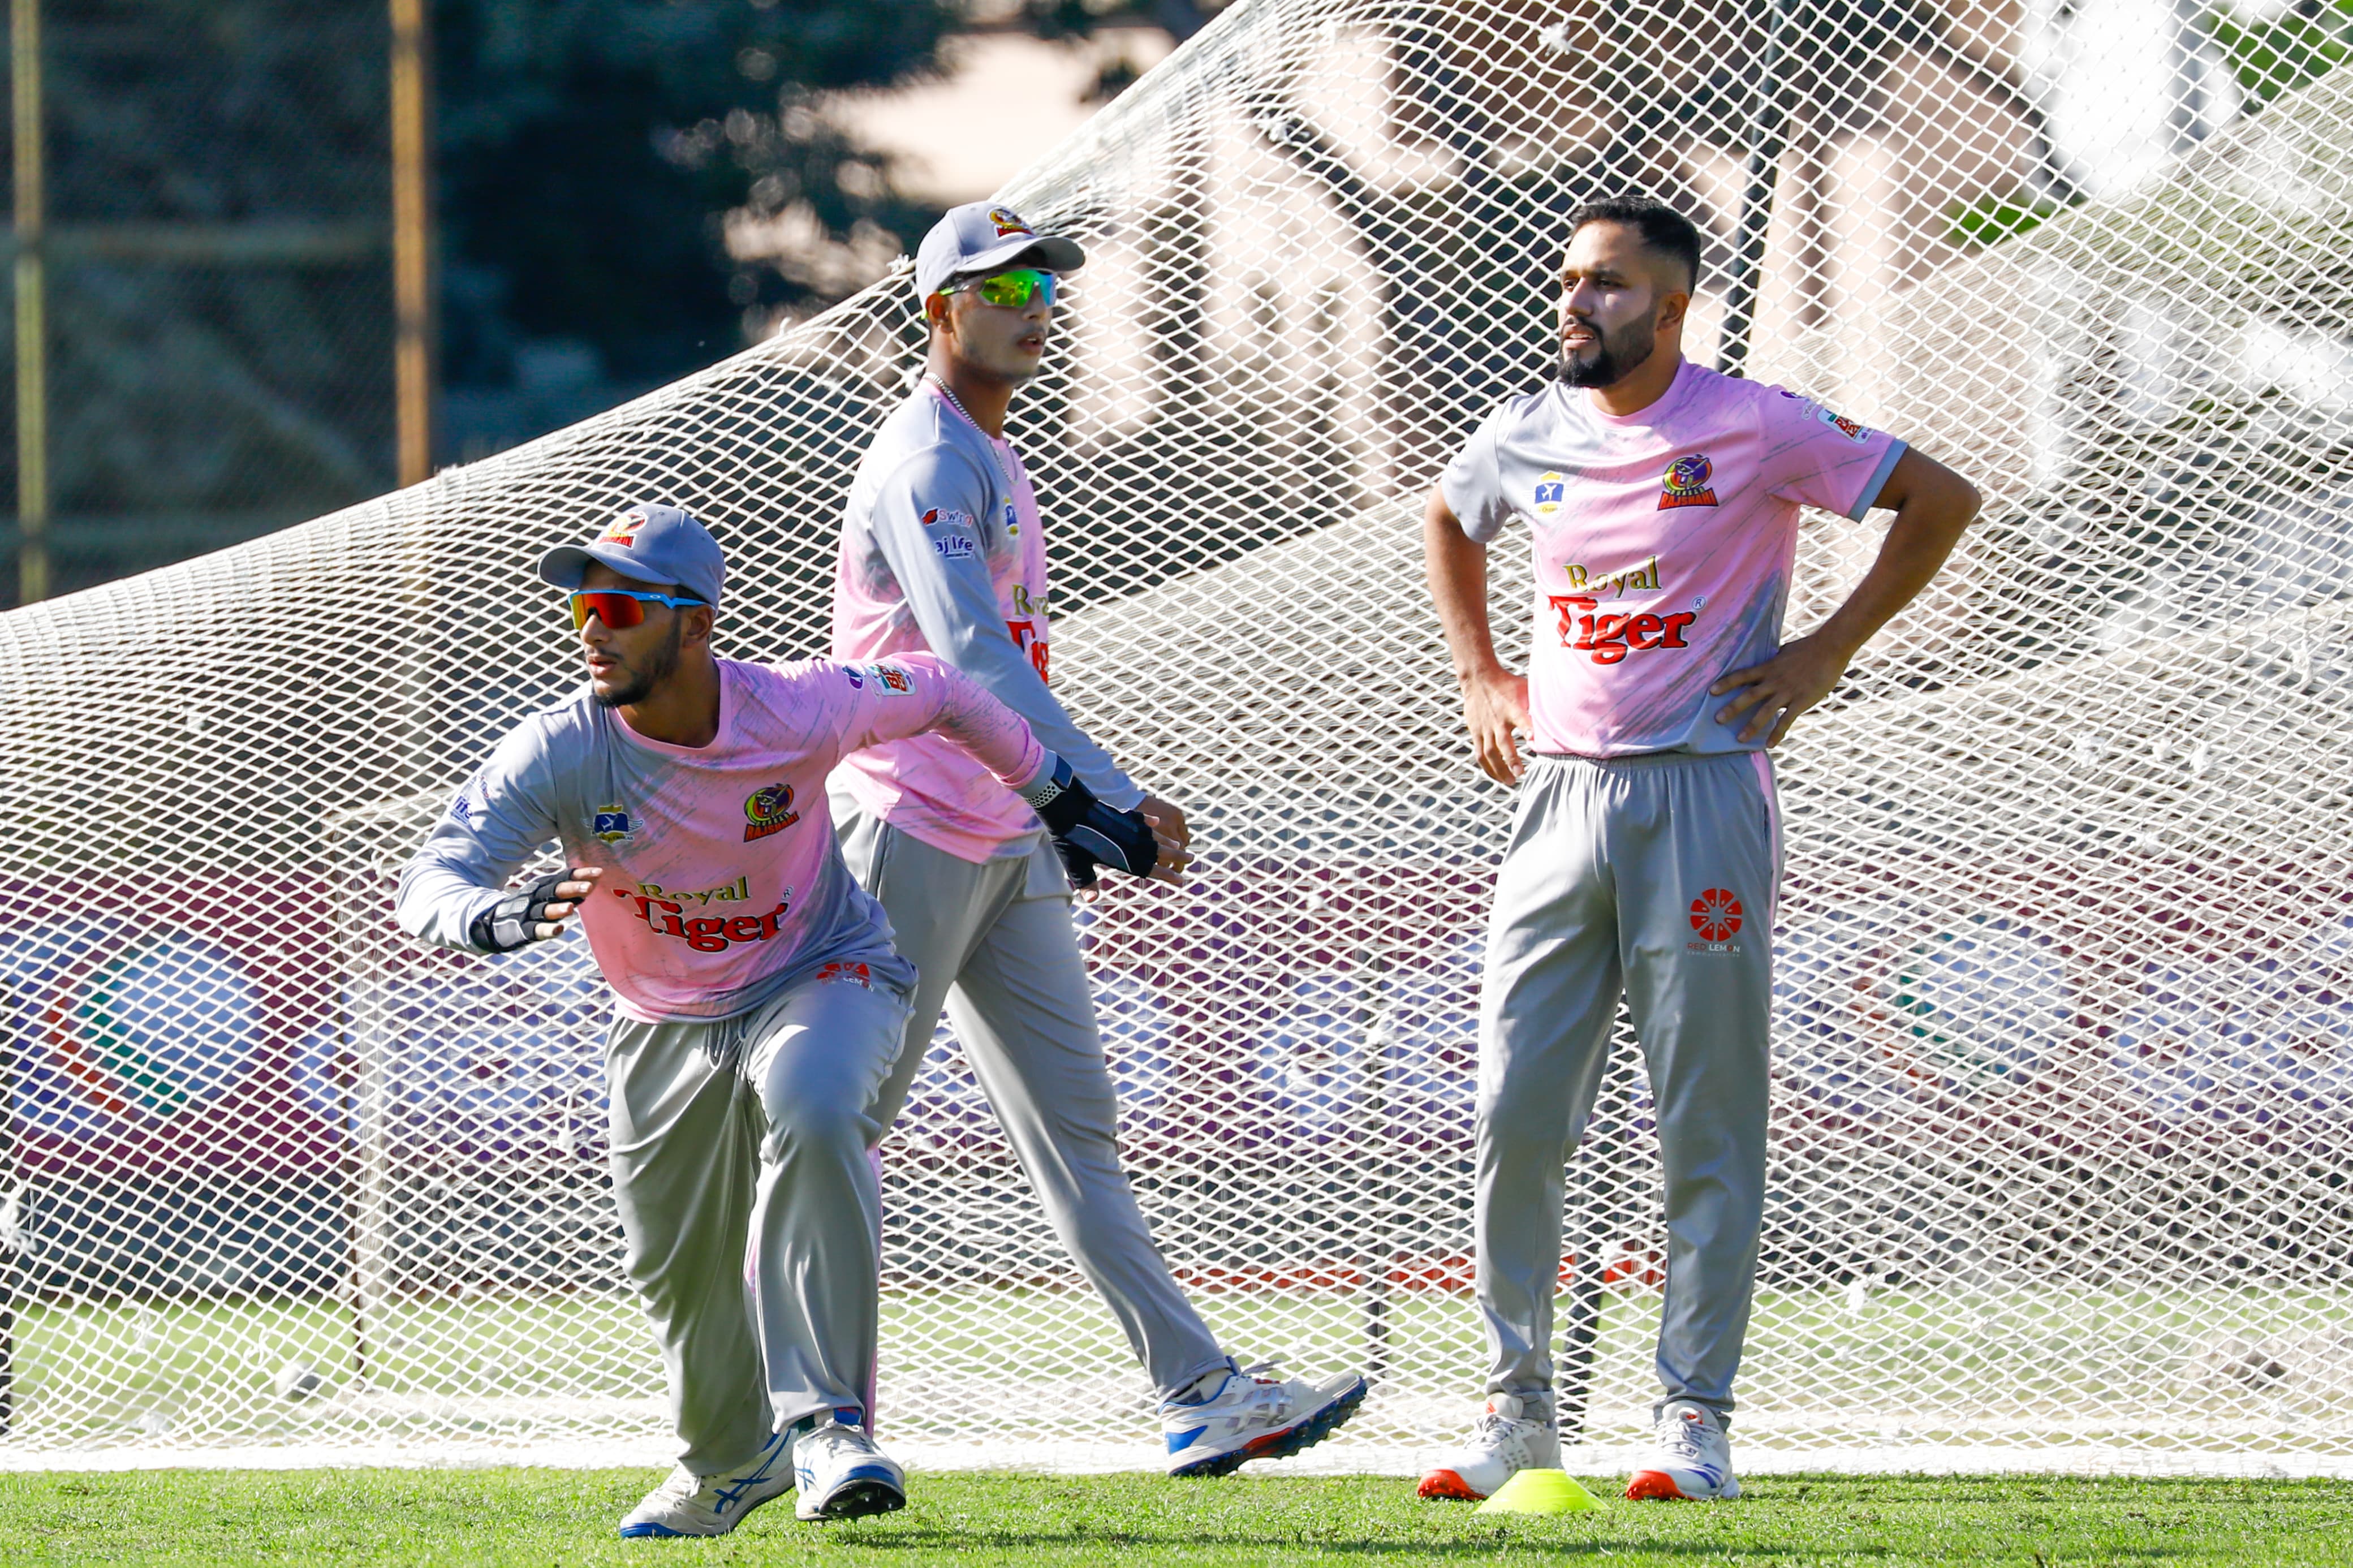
<point x="842" y="1474"/>
<point x="1251" y="1418"/>
<point x="1692" y="1461"/>
<point x="689" y="1504"/>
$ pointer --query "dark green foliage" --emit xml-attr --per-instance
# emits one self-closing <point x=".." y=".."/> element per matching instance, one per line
<point x="589" y="149"/>
<point x="2280" y="56"/>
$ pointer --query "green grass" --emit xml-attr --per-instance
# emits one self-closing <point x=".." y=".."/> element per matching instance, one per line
<point x="554" y="1516"/>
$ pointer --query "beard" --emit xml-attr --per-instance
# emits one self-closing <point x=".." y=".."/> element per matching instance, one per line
<point x="660" y="665"/>
<point x="1613" y="356"/>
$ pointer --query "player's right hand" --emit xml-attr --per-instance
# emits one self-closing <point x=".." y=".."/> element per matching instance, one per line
<point x="533" y="912"/>
<point x="1493" y="708"/>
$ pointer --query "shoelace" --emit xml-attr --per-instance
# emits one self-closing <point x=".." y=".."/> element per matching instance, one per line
<point x="681" y="1485"/>
<point x="1493" y="1425"/>
<point x="1686" y="1441"/>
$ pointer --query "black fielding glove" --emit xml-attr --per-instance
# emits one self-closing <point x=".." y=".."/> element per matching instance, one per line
<point x="515" y="919"/>
<point x="1087" y="831"/>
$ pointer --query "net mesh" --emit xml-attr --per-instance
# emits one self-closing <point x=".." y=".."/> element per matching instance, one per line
<point x="2064" y="1031"/>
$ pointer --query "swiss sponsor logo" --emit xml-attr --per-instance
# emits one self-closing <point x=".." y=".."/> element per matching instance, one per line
<point x="1842" y="425"/>
<point x="1686" y="482"/>
<point x="946" y="516"/>
<point x="1608" y="636"/>
<point x="1715" y="918"/>
<point x="664" y="913"/>
<point x="888" y="679"/>
<point x="769" y="811"/>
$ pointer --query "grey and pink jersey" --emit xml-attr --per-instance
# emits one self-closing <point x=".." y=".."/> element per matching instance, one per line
<point x="942" y="552"/>
<point x="722" y="882"/>
<point x="1663" y="544"/>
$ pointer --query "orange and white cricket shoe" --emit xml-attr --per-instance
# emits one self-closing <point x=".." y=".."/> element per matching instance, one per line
<point x="1514" y="1433"/>
<point x="1691" y="1460"/>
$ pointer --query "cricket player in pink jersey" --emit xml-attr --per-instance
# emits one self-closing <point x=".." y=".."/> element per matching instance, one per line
<point x="1645" y="855"/>
<point x="758" y="1002"/>
<point x="942" y="550"/>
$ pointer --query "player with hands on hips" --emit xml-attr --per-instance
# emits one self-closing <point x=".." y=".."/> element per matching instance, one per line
<point x="943" y="550"/>
<point x="758" y="1003"/>
<point x="1661" y="500"/>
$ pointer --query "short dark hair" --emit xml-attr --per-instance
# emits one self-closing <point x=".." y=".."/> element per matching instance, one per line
<point x="1663" y="229"/>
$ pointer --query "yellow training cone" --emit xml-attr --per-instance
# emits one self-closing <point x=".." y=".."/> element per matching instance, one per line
<point x="1541" y="1490"/>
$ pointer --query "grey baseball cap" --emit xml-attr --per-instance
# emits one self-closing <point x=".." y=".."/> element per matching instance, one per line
<point x="985" y="237"/>
<point x="651" y="544"/>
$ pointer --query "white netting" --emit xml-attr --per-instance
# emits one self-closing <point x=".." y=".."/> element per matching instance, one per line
<point x="2065" y="1048"/>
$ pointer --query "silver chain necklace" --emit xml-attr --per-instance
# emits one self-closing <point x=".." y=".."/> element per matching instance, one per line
<point x="957" y="403"/>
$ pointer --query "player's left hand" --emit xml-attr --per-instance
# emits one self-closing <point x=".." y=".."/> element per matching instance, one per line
<point x="1175" y="837"/>
<point x="1783" y="686"/>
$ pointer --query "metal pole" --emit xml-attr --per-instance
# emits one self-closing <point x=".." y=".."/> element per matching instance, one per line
<point x="32" y="325"/>
<point x="1765" y="147"/>
<point x="412" y="238"/>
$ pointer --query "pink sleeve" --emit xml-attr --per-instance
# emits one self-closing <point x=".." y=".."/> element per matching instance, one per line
<point x="1817" y="457"/>
<point x="917" y="693"/>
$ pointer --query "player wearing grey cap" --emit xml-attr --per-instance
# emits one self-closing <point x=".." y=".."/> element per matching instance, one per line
<point x="942" y="550"/>
<point x="758" y="1004"/>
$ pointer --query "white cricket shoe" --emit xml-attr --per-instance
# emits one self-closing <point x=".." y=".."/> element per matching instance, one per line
<point x="1693" y="1458"/>
<point x="1515" y="1433"/>
<point x="843" y="1474"/>
<point x="1250" y="1417"/>
<point x="689" y="1504"/>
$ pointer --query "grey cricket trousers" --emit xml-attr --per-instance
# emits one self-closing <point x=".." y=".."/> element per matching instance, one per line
<point x="1658" y="875"/>
<point x="993" y="943"/>
<point x="749" y="1208"/>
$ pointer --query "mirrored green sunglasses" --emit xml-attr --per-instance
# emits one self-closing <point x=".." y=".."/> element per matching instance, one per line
<point x="1009" y="291"/>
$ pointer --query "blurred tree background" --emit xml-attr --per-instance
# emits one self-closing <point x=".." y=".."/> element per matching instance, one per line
<point x="219" y="295"/>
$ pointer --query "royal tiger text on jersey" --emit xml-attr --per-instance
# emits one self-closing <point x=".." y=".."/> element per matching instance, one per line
<point x="705" y="934"/>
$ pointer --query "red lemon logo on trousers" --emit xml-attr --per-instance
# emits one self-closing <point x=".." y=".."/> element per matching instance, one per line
<point x="1715" y="915"/>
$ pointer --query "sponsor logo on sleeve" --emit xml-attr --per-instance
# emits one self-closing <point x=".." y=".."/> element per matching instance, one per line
<point x="1686" y="482"/>
<point x="954" y="547"/>
<point x="1842" y="425"/>
<point x="887" y="680"/>
<point x="461" y="808"/>
<point x="1551" y="490"/>
<point x="769" y="811"/>
<point x="612" y="822"/>
<point x="946" y="516"/>
<point x="845" y="973"/>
